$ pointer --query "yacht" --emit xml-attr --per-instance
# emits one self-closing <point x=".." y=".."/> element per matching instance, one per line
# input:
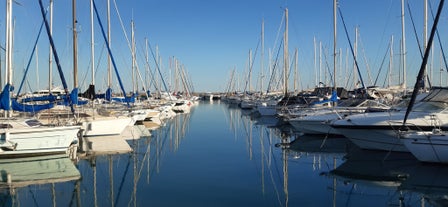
<point x="382" y="130"/>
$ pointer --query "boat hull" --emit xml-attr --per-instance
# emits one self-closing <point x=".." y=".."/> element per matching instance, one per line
<point x="385" y="139"/>
<point x="427" y="147"/>
<point x="37" y="141"/>
<point x="103" y="127"/>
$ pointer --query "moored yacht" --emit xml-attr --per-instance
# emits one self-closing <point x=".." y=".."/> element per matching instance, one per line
<point x="381" y="130"/>
<point x="29" y="137"/>
<point x="318" y="121"/>
<point x="427" y="146"/>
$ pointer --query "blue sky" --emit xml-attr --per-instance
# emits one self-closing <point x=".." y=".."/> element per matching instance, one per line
<point x="212" y="38"/>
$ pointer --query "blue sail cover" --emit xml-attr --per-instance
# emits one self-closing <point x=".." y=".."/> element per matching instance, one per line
<point x="107" y="96"/>
<point x="125" y="99"/>
<point x="5" y="97"/>
<point x="16" y="106"/>
<point x="74" y="98"/>
<point x="333" y="98"/>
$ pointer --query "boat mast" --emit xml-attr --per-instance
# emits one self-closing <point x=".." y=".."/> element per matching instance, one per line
<point x="50" y="55"/>
<point x="403" y="46"/>
<point x="334" y="43"/>
<point x="296" y="62"/>
<point x="92" y="45"/>
<point x="390" y="61"/>
<point x="75" y="46"/>
<point x="133" y="57"/>
<point x="355" y="56"/>
<point x="425" y="31"/>
<point x="8" y="48"/>
<point x="109" y="73"/>
<point x="285" y="55"/>
<point x="315" y="62"/>
<point x="262" y="57"/>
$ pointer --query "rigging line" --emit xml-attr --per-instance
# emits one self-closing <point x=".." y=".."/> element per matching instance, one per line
<point x="56" y="58"/>
<point x="158" y="69"/>
<point x="123" y="179"/>
<point x="278" y="36"/>
<point x="110" y="52"/>
<point x="328" y="68"/>
<point x="366" y="64"/>
<point x="251" y="65"/>
<point x="438" y="37"/>
<point x="275" y="66"/>
<point x="151" y="73"/>
<point x="415" y="31"/>
<point x="416" y="37"/>
<point x="351" y="48"/>
<point x="29" y="60"/>
<point x="381" y="66"/>
<point x="422" y="67"/>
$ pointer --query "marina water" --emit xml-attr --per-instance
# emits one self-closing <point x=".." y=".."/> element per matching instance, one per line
<point x="220" y="155"/>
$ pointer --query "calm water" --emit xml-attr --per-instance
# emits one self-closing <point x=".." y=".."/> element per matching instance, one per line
<point x="221" y="156"/>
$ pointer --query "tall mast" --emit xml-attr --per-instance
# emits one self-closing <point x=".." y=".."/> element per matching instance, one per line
<point x="133" y="57"/>
<point x="425" y="31"/>
<point x="250" y="69"/>
<point x="315" y="62"/>
<point x="50" y="55"/>
<point x="334" y="43"/>
<point x="75" y="46"/>
<point x="390" y="61"/>
<point x="92" y="44"/>
<point x="262" y="56"/>
<point x="296" y="65"/>
<point x="285" y="55"/>
<point x="403" y="44"/>
<point x="8" y="46"/>
<point x="147" y="71"/>
<point x="109" y="72"/>
<point x="320" y="62"/>
<point x="355" y="69"/>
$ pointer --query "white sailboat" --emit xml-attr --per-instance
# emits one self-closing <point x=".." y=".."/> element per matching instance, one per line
<point x="21" y="137"/>
<point x="383" y="131"/>
<point x="427" y="146"/>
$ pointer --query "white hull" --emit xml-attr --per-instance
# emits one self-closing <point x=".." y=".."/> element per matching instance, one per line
<point x="385" y="140"/>
<point x="182" y="107"/>
<point x="312" y="126"/>
<point x="106" y="126"/>
<point x="427" y="146"/>
<point x="37" y="141"/>
<point x="267" y="110"/>
<point x="380" y="131"/>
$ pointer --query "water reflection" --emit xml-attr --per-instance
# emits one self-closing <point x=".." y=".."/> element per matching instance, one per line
<point x="398" y="176"/>
<point x="219" y="156"/>
<point x="357" y="176"/>
<point x="262" y="134"/>
<point x="23" y="178"/>
<point x="112" y="176"/>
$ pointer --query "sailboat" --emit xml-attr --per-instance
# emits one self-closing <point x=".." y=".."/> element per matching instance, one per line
<point x="384" y="130"/>
<point x="20" y="137"/>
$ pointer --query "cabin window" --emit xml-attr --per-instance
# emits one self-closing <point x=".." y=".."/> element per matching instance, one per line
<point x="430" y="106"/>
<point x="5" y="126"/>
<point x="33" y="123"/>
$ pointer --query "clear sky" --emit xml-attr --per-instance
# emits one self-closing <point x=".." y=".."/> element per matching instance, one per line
<point x="210" y="38"/>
